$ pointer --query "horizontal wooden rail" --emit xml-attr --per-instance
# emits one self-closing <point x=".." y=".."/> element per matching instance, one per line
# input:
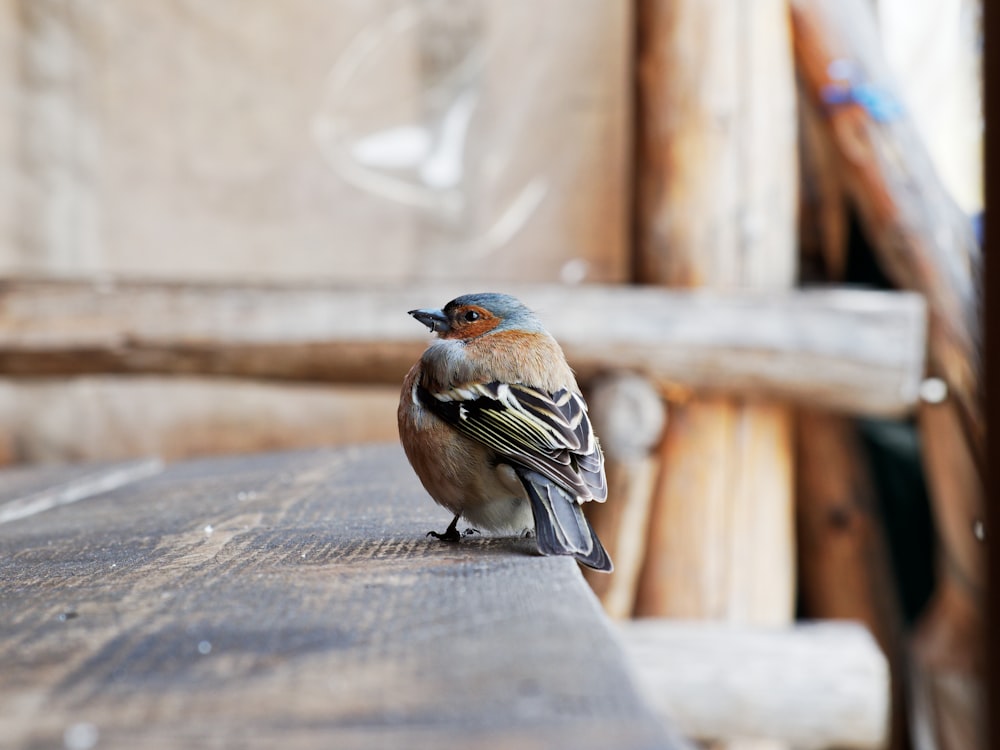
<point x="816" y="685"/>
<point x="858" y="351"/>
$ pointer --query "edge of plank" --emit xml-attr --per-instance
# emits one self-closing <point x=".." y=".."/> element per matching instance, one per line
<point x="97" y="482"/>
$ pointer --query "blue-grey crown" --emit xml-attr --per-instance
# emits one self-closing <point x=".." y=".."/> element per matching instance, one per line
<point x="512" y="312"/>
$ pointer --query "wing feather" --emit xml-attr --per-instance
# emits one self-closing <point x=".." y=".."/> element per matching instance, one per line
<point x="547" y="432"/>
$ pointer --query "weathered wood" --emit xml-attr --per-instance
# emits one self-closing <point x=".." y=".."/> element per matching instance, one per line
<point x="843" y="563"/>
<point x="293" y="600"/>
<point x="947" y="675"/>
<point x="923" y="239"/>
<point x="111" y="417"/>
<point x="717" y="139"/>
<point x="815" y="686"/>
<point x="707" y="525"/>
<point x="853" y="350"/>
<point x="925" y="243"/>
<point x="949" y="642"/>
<point x="628" y="415"/>
<point x="716" y="196"/>
<point x="25" y="492"/>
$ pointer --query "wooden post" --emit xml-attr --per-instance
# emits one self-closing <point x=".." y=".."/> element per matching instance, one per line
<point x="628" y="416"/>
<point x="843" y="562"/>
<point x="716" y="200"/>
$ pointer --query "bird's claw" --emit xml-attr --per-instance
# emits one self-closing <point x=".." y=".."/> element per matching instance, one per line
<point x="451" y="535"/>
<point x="471" y="531"/>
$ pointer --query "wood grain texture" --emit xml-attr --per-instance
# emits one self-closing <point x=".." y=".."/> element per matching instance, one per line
<point x="720" y="541"/>
<point x="28" y="491"/>
<point x="813" y="686"/>
<point x="116" y="417"/>
<point x="293" y="600"/>
<point x="853" y="350"/>
<point x="716" y="197"/>
<point x="716" y="209"/>
<point x="843" y="562"/>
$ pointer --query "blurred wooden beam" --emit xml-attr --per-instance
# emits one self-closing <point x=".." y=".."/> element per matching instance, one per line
<point x="857" y="351"/>
<point x="818" y="685"/>
<point x="925" y="243"/>
<point x="844" y="567"/>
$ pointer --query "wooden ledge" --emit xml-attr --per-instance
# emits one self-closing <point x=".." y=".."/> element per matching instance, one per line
<point x="292" y="600"/>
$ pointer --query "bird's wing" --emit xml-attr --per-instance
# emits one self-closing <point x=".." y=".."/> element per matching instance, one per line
<point x="547" y="432"/>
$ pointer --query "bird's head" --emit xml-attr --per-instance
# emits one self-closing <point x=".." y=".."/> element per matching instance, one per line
<point x="473" y="315"/>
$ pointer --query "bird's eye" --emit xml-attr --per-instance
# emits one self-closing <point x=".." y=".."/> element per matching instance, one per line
<point x="471" y="316"/>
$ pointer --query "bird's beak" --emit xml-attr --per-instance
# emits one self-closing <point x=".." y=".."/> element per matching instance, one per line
<point x="433" y="319"/>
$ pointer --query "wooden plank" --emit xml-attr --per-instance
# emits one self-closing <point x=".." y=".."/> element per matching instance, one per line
<point x="113" y="417"/>
<point x="813" y="686"/>
<point x="27" y="491"/>
<point x="293" y="600"/>
<point x="859" y="351"/>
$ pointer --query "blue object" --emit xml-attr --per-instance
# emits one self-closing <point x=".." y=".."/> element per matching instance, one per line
<point x="850" y="88"/>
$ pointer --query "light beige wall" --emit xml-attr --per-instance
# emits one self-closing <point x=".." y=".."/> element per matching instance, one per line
<point x="192" y="138"/>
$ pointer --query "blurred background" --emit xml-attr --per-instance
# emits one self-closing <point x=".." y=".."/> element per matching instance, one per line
<point x="474" y="144"/>
<point x="346" y="142"/>
<point x="351" y="142"/>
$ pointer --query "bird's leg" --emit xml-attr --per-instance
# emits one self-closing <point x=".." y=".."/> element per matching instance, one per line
<point x="451" y="533"/>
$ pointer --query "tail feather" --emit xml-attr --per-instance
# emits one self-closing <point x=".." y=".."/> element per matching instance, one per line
<point x="560" y="526"/>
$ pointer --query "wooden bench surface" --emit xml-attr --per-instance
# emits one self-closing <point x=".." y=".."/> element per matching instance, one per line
<point x="293" y="600"/>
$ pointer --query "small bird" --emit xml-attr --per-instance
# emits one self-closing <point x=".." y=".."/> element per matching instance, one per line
<point x="493" y="423"/>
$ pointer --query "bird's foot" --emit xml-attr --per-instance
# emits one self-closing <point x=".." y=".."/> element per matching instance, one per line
<point x="471" y="532"/>
<point x="451" y="534"/>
